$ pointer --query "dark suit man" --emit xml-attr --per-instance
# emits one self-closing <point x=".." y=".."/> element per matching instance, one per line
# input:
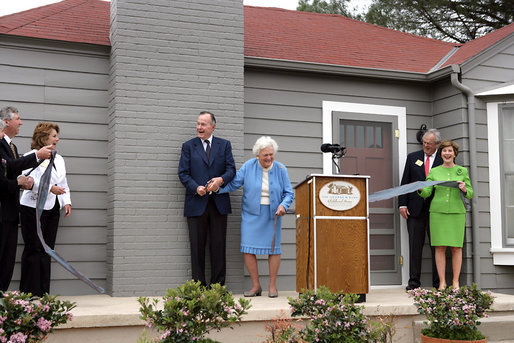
<point x="206" y="160"/>
<point x="14" y="165"/>
<point x="11" y="186"/>
<point x="416" y="209"/>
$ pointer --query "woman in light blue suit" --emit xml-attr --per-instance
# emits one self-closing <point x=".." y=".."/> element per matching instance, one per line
<point x="267" y="194"/>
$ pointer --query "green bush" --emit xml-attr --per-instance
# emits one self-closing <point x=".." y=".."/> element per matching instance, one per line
<point x="190" y="311"/>
<point x="29" y="319"/>
<point x="453" y="313"/>
<point x="335" y="318"/>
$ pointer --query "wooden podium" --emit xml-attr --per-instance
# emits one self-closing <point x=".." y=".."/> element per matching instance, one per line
<point x="332" y="225"/>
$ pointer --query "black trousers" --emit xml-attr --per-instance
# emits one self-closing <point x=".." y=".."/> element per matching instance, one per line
<point x="418" y="228"/>
<point x="213" y="225"/>
<point x="35" y="262"/>
<point x="8" y="245"/>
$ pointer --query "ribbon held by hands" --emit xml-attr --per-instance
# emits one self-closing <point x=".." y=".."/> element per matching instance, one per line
<point x="41" y="199"/>
<point x="412" y="187"/>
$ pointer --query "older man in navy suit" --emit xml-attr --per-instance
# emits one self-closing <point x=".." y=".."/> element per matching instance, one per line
<point x="206" y="161"/>
<point x="415" y="209"/>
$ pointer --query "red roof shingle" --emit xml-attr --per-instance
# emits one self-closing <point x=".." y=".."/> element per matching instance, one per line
<point x="478" y="45"/>
<point x="271" y="33"/>
<point x="81" y="21"/>
<point x="333" y="39"/>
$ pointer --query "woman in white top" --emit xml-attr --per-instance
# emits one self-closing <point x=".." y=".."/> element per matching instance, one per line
<point x="35" y="262"/>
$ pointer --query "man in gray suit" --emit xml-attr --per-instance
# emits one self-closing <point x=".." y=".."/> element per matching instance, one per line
<point x="14" y="165"/>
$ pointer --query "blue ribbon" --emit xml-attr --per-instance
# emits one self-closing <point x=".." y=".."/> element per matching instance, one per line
<point x="412" y="187"/>
<point x="41" y="199"/>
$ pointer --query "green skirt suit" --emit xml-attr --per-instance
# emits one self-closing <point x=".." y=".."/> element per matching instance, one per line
<point x="447" y="211"/>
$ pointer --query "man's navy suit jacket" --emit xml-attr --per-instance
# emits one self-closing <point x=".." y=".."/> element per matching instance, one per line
<point x="194" y="170"/>
<point x="11" y="200"/>
<point x="415" y="172"/>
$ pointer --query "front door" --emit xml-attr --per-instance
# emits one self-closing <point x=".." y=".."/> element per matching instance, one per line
<point x="371" y="150"/>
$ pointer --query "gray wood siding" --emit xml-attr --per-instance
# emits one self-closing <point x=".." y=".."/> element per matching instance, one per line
<point x="66" y="84"/>
<point x="492" y="69"/>
<point x="288" y="107"/>
<point x="450" y="116"/>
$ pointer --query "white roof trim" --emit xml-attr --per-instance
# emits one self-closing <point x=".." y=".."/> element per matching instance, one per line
<point x="509" y="89"/>
<point x="444" y="59"/>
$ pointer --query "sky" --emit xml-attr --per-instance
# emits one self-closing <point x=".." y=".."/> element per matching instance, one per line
<point x="13" y="6"/>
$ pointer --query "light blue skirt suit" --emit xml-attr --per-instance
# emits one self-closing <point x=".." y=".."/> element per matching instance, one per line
<point x="257" y="221"/>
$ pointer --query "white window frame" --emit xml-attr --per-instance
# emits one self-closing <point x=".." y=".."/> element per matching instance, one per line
<point x="501" y="255"/>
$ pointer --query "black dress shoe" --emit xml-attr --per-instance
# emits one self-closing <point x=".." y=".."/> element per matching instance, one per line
<point x="411" y="287"/>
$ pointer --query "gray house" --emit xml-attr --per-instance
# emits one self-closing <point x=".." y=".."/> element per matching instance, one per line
<point x="125" y="81"/>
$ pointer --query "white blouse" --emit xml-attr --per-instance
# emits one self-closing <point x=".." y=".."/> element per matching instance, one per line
<point x="29" y="197"/>
<point x="265" y="186"/>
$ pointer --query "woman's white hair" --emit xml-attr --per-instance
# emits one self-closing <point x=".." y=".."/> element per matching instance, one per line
<point x="263" y="143"/>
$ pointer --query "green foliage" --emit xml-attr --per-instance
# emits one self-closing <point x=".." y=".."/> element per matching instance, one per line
<point x="383" y="330"/>
<point x="332" y="7"/>
<point x="450" y="20"/>
<point x="335" y="318"/>
<point x="458" y="21"/>
<point x="453" y="313"/>
<point x="26" y="318"/>
<point x="283" y="330"/>
<point x="190" y="311"/>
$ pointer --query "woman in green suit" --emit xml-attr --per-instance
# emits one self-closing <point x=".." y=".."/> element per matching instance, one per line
<point x="447" y="211"/>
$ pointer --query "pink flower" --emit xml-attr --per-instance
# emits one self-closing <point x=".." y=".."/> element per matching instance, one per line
<point x="164" y="335"/>
<point x="320" y="302"/>
<point x="149" y="323"/>
<point x="17" y="338"/>
<point x="43" y="324"/>
<point x="23" y="303"/>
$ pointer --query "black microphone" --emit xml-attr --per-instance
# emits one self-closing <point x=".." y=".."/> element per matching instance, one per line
<point x="333" y="148"/>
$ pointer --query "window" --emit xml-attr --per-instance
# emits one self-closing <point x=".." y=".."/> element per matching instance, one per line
<point x="361" y="135"/>
<point x="500" y="127"/>
<point x="506" y="120"/>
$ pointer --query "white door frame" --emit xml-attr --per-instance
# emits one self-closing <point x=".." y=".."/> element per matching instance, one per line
<point x="401" y="114"/>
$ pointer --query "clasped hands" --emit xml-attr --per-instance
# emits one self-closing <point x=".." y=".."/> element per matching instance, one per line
<point x="213" y="185"/>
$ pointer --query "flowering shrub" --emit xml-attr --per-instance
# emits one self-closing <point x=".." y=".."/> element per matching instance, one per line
<point x="190" y="311"/>
<point x="28" y="319"/>
<point x="283" y="330"/>
<point x="335" y="318"/>
<point x="453" y="313"/>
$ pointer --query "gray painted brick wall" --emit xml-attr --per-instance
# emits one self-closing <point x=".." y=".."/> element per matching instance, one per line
<point x="169" y="61"/>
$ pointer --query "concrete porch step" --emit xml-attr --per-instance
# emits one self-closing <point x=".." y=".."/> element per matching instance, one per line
<point x="104" y="319"/>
